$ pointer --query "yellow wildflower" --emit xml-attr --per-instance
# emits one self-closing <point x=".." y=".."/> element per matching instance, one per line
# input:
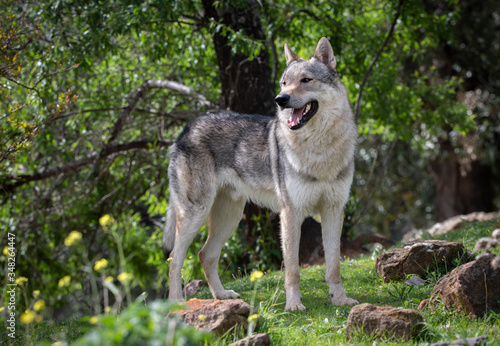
<point x="105" y="220"/>
<point x="73" y="237"/>
<point x="125" y="277"/>
<point x="257" y="274"/>
<point x="6" y="250"/>
<point x="109" y="279"/>
<point x="39" y="305"/>
<point x="94" y="320"/>
<point x="101" y="264"/>
<point x="27" y="317"/>
<point x="36" y="293"/>
<point x="21" y="280"/>
<point x="253" y="318"/>
<point x="202" y="317"/>
<point x="64" y="282"/>
<point x="107" y="309"/>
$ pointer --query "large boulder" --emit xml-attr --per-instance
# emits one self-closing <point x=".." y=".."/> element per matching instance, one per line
<point x="415" y="257"/>
<point x="217" y="316"/>
<point x="472" y="288"/>
<point x="384" y="322"/>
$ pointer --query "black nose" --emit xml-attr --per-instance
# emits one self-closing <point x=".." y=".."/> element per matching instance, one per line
<point x="282" y="99"/>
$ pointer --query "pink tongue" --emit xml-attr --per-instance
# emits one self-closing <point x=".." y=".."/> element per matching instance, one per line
<point x="295" y="117"/>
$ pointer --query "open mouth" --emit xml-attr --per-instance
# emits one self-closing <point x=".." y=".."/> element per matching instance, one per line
<point x="300" y="116"/>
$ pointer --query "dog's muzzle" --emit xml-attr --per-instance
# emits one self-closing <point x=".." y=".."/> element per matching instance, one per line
<point x="298" y="116"/>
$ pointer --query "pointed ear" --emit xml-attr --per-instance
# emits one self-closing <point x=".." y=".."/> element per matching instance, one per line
<point x="324" y="53"/>
<point x="290" y="56"/>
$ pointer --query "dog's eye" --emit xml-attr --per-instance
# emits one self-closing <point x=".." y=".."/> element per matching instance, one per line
<point x="283" y="83"/>
<point x="306" y="80"/>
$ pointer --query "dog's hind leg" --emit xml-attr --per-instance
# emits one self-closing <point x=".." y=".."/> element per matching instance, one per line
<point x="331" y="228"/>
<point x="188" y="222"/>
<point x="222" y="221"/>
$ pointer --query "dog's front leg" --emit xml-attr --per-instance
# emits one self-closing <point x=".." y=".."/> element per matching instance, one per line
<point x="331" y="228"/>
<point x="290" y="238"/>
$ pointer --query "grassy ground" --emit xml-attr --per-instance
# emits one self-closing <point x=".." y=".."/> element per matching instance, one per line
<point x="323" y="323"/>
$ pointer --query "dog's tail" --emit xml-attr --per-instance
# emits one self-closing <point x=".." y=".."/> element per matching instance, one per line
<point x="169" y="231"/>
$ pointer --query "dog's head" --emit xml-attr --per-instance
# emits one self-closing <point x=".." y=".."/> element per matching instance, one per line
<point x="306" y="85"/>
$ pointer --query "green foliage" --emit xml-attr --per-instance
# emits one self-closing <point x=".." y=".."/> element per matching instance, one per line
<point x="262" y="247"/>
<point x="141" y="324"/>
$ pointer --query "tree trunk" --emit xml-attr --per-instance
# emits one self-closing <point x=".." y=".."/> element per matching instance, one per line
<point x="247" y="86"/>
<point x="246" y="83"/>
<point x="460" y="189"/>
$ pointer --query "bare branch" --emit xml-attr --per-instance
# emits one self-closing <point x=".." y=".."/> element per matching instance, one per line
<point x="108" y="150"/>
<point x="138" y="94"/>
<point x="66" y="115"/>
<point x="370" y="68"/>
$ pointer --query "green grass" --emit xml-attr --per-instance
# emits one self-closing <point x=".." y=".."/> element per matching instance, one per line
<point x="322" y="323"/>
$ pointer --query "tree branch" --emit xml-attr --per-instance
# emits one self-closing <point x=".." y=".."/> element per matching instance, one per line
<point x="108" y="150"/>
<point x="134" y="98"/>
<point x="370" y="68"/>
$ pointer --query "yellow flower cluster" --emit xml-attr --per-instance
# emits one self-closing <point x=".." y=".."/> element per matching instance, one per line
<point x="72" y="238"/>
<point x="257" y="274"/>
<point x="64" y="282"/>
<point x="125" y="277"/>
<point x="29" y="316"/>
<point x="21" y="280"/>
<point x="253" y="318"/>
<point x="101" y="264"/>
<point x="39" y="305"/>
<point x="106" y="220"/>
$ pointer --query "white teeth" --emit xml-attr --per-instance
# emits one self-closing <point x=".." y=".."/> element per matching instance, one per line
<point x="308" y="107"/>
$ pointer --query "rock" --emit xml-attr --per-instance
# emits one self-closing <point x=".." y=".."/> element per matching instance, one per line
<point x="485" y="244"/>
<point x="217" y="316"/>
<point x="496" y="233"/>
<point x="456" y="221"/>
<point x="414" y="257"/>
<point x="451" y="224"/>
<point x="463" y="342"/>
<point x="415" y="281"/>
<point x="495" y="263"/>
<point x="384" y="322"/>
<point x="192" y="288"/>
<point x="256" y="340"/>
<point x="472" y="288"/>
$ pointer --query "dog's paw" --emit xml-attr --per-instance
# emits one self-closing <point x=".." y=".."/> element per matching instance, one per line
<point x="295" y="307"/>
<point x="343" y="301"/>
<point x="226" y="294"/>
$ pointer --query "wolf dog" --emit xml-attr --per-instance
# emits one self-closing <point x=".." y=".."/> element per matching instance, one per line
<point x="298" y="163"/>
